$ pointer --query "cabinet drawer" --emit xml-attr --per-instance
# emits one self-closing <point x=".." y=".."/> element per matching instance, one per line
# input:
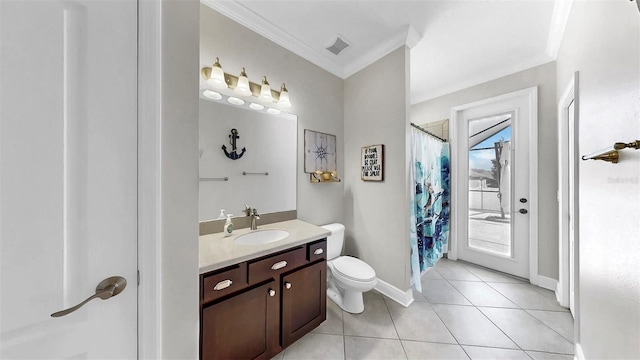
<point x="317" y="251"/>
<point x="273" y="265"/>
<point x="224" y="282"/>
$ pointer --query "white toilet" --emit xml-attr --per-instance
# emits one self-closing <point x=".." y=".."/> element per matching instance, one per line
<point x="347" y="277"/>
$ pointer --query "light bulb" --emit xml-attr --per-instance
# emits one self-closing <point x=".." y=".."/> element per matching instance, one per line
<point x="242" y="88"/>
<point x="256" y="107"/>
<point x="212" y="95"/>
<point x="235" y="101"/>
<point x="273" y="111"/>
<point x="265" y="91"/>
<point x="284" y="97"/>
<point x="216" y="78"/>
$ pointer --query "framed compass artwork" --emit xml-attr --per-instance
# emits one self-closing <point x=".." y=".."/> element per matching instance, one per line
<point x="319" y="152"/>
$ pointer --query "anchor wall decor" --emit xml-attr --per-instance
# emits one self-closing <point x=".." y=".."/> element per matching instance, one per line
<point x="233" y="155"/>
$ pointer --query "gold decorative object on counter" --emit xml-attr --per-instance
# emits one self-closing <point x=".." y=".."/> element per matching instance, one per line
<point x="324" y="176"/>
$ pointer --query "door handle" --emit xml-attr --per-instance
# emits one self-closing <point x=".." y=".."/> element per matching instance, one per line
<point x="523" y="211"/>
<point x="107" y="288"/>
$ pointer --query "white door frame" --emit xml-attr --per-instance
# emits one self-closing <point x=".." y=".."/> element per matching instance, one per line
<point x="167" y="243"/>
<point x="531" y="97"/>
<point x="563" y="192"/>
<point x="562" y="292"/>
<point x="149" y="180"/>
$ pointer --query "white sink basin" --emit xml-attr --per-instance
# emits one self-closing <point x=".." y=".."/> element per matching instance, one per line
<point x="259" y="237"/>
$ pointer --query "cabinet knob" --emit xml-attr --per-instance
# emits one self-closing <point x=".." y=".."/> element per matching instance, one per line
<point x="287" y="285"/>
<point x="318" y="251"/>
<point x="272" y="292"/>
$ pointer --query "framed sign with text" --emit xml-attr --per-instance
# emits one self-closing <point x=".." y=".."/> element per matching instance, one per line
<point x="371" y="163"/>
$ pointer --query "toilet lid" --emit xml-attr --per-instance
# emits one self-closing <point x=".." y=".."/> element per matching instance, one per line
<point x="354" y="269"/>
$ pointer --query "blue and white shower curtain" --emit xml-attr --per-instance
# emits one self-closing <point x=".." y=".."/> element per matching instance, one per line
<point x="429" y="202"/>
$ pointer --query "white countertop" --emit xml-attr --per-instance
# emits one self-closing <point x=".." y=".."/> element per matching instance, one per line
<point x="217" y="251"/>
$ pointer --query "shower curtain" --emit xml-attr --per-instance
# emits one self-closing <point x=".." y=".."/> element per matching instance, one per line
<point x="429" y="231"/>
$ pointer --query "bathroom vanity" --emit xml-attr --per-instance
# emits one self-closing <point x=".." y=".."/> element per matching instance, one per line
<point x="255" y="300"/>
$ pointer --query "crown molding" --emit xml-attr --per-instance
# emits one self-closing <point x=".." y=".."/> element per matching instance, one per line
<point x="249" y="19"/>
<point x="480" y="78"/>
<point x="407" y="36"/>
<point x="253" y="21"/>
<point x="559" y="19"/>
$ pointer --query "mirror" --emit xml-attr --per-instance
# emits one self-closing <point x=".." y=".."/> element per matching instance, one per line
<point x="268" y="163"/>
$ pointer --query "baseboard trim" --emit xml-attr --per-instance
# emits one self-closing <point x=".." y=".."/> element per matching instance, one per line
<point x="404" y="298"/>
<point x="548" y="283"/>
<point x="579" y="354"/>
<point x="562" y="296"/>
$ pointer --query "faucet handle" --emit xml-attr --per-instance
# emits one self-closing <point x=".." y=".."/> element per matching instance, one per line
<point x="247" y="210"/>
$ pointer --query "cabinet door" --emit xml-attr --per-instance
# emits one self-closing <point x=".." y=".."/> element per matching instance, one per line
<point x="304" y="301"/>
<point x="245" y="326"/>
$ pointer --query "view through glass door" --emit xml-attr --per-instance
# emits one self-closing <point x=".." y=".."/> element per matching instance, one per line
<point x="490" y="185"/>
<point x="496" y="166"/>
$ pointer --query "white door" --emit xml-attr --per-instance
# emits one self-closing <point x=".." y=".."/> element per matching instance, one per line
<point x="492" y="182"/>
<point x="68" y="183"/>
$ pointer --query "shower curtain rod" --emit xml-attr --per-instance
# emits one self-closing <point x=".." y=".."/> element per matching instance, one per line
<point x="428" y="132"/>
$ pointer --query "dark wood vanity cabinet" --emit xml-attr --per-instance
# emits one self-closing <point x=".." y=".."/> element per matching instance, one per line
<point x="243" y="327"/>
<point x="304" y="301"/>
<point x="254" y="309"/>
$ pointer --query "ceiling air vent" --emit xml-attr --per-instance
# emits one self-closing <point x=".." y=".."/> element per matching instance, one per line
<point x="338" y="45"/>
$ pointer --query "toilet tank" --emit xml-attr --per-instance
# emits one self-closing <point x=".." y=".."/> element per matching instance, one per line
<point x="335" y="240"/>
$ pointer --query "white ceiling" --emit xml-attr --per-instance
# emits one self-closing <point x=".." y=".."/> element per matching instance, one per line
<point x="454" y="44"/>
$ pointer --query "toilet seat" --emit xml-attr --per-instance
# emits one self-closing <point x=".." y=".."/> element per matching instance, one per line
<point x="354" y="269"/>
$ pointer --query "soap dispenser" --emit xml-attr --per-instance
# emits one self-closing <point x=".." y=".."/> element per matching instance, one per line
<point x="228" y="226"/>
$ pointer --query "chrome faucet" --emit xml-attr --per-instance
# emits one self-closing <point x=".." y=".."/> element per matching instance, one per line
<point x="254" y="216"/>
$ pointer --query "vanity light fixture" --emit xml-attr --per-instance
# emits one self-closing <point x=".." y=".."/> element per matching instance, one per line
<point x="265" y="91"/>
<point x="241" y="86"/>
<point x="284" y="97"/>
<point x="273" y="111"/>
<point x="212" y="95"/>
<point x="256" y="107"/>
<point x="216" y="78"/>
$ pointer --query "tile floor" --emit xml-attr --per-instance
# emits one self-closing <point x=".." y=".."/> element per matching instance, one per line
<point x="466" y="312"/>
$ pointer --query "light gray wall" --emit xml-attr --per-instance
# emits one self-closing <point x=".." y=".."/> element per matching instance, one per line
<point x="376" y="213"/>
<point x="602" y="42"/>
<point x="544" y="77"/>
<point x="316" y="95"/>
<point x="179" y="176"/>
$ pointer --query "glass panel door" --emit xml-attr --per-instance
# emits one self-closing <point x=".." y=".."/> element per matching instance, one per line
<point x="490" y="185"/>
